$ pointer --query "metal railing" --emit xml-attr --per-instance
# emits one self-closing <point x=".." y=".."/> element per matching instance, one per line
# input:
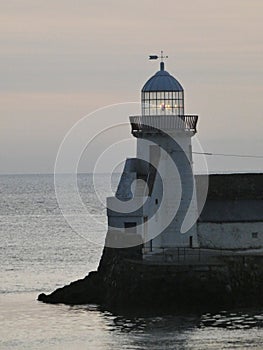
<point x="184" y="255"/>
<point x="157" y="123"/>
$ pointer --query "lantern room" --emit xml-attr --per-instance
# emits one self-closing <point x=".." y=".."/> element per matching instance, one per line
<point x="162" y="94"/>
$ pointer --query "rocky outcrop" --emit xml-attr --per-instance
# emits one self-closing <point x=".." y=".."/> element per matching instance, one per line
<point x="85" y="291"/>
<point x="124" y="282"/>
<point x="98" y="287"/>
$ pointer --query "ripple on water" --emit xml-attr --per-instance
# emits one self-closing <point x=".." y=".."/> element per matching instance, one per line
<point x="231" y="320"/>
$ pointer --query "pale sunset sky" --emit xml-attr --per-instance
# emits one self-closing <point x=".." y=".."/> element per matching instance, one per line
<point x="62" y="59"/>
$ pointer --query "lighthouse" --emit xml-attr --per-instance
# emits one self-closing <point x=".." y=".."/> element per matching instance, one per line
<point x="155" y="202"/>
<point x="153" y="219"/>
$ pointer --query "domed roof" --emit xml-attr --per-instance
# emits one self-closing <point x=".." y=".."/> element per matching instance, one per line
<point x="162" y="81"/>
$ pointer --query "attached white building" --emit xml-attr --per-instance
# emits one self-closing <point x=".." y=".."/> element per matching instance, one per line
<point x="232" y="217"/>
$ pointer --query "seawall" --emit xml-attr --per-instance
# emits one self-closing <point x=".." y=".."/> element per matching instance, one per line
<point x="124" y="281"/>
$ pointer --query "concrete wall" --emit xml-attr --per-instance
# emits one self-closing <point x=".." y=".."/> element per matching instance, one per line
<point x="233" y="235"/>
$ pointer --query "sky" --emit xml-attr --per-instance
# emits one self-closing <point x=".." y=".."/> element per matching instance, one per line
<point x="63" y="59"/>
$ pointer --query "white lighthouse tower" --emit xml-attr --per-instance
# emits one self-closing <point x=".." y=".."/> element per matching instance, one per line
<point x="158" y="185"/>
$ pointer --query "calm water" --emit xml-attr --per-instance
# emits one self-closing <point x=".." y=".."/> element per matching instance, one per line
<point x="40" y="252"/>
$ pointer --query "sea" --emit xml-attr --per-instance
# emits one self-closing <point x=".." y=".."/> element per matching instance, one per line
<point x="40" y="251"/>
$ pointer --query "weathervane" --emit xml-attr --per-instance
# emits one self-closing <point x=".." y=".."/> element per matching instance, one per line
<point x="162" y="57"/>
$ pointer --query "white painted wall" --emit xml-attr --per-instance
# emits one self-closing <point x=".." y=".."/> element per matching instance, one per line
<point x="172" y="183"/>
<point x="235" y="235"/>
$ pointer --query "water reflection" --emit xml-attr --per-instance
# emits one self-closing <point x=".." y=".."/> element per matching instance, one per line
<point x="228" y="330"/>
<point x="233" y="320"/>
<point x="27" y="324"/>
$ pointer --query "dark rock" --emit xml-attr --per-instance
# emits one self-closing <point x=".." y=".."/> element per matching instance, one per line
<point x="85" y="291"/>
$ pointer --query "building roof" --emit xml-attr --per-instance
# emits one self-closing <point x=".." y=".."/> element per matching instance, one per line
<point x="224" y="211"/>
<point x="231" y="197"/>
<point x="162" y="81"/>
<point x="232" y="186"/>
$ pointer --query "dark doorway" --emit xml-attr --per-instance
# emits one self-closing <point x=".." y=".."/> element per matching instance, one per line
<point x="191" y="241"/>
<point x="151" y="245"/>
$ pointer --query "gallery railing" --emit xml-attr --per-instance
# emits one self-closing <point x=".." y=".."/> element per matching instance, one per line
<point x="156" y="123"/>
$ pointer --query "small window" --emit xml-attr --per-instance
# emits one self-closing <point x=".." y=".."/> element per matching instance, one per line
<point x="156" y="201"/>
<point x="254" y="234"/>
<point x="130" y="227"/>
